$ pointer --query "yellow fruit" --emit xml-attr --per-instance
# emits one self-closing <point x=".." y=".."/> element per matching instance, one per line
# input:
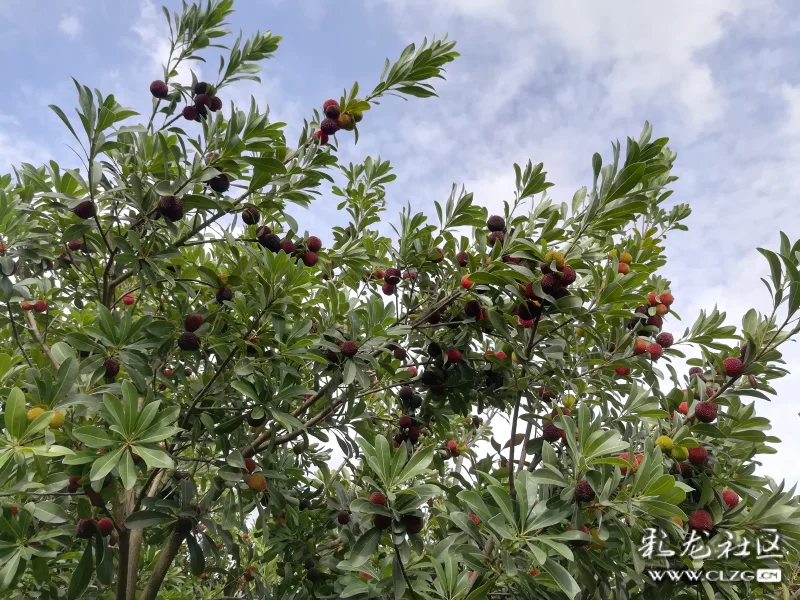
<point x="625" y="257"/>
<point x="569" y="401"/>
<point x="597" y="543"/>
<point x="58" y="420"/>
<point x="555" y="256"/>
<point x="680" y="453"/>
<point x="514" y="357"/>
<point x="677" y="521"/>
<point x="613" y="253"/>
<point x="579" y="331"/>
<point x="664" y="442"/>
<point x="35" y="413"/>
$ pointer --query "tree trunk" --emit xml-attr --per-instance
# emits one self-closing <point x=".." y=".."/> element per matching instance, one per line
<point x="163" y="562"/>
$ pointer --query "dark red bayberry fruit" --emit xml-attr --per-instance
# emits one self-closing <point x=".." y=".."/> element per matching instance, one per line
<point x="310" y="258"/>
<point x="387" y="289"/>
<point x="698" y="456"/>
<point x="220" y="183"/>
<point x="496" y="236"/>
<point x="250" y="465"/>
<point x="251" y="216"/>
<point x="413" y="524"/>
<point x="190" y="113"/>
<point x="329" y="126"/>
<point x="496" y="223"/>
<point x="86" y="529"/>
<point x="193" y="322"/>
<point x="189" y="341"/>
<point x="405" y="421"/>
<point x="399" y="353"/>
<point x="551" y="433"/>
<point x="159" y="89"/>
<point x="112" y="367"/>
<point x="392" y="275"/>
<point x="85" y="210"/>
<point x="349" y="349"/>
<point x="271" y="242"/>
<point x="40" y="306"/>
<point x="568" y="275"/>
<point x="550" y="284"/>
<point x="171" y="208"/>
<point x="202" y="100"/>
<point x="436" y="255"/>
<point x="377" y="498"/>
<point x="256" y="421"/>
<point x="201" y="87"/>
<point x="382" y="521"/>
<point x="584" y="491"/>
<point x="288" y="246"/>
<point x="75" y="245"/>
<point x="343" y="517"/>
<point x="215" y="105"/>
<point x="331" y="109"/>
<point x="472" y="308"/>
<point x="224" y="294"/>
<point x="313" y="243"/>
<point x="462" y="258"/>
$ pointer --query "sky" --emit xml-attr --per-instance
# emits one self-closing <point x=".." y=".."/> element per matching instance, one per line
<point x="552" y="82"/>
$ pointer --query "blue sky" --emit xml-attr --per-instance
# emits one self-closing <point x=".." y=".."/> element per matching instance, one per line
<point x="549" y="81"/>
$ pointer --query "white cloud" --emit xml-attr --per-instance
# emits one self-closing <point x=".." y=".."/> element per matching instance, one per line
<point x="70" y="25"/>
<point x="153" y="32"/>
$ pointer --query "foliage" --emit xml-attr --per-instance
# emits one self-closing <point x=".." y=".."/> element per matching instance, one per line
<point x="154" y="358"/>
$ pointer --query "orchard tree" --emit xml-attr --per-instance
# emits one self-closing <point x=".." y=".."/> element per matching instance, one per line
<point x="202" y="399"/>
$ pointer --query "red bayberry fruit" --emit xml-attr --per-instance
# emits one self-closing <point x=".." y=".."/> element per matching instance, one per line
<point x="730" y="498"/>
<point x="496" y="223"/>
<point x="112" y="367"/>
<point x="666" y="299"/>
<point x="171" y="208"/>
<point x="706" y="412"/>
<point x="26" y="306"/>
<point x="250" y="465"/>
<point x="40" y="306"/>
<point x="86" y="529"/>
<point x="382" y="521"/>
<point x="387" y="289"/>
<point x="584" y="491"/>
<point x="85" y="210"/>
<point x="378" y="498"/>
<point x="568" y="275"/>
<point x="343" y="517"/>
<point x="257" y="482"/>
<point x="331" y="109"/>
<point x="683" y="408"/>
<point x="454" y="356"/>
<point x="75" y="245"/>
<point x="462" y="258"/>
<point x="665" y="340"/>
<point x="349" y="349"/>
<point x="701" y="520"/>
<point x="220" y="183"/>
<point x="641" y="346"/>
<point x="105" y="526"/>
<point x="622" y="371"/>
<point x="466" y="283"/>
<point x="193" y="322"/>
<point x="189" y="341"/>
<point x="550" y="284"/>
<point x="329" y="126"/>
<point x="322" y="137"/>
<point x="190" y="112"/>
<point x="215" y="104"/>
<point x="655" y="351"/>
<point x="127" y="300"/>
<point x="623" y="268"/>
<point x="496" y="236"/>
<point x="698" y="456"/>
<point x="655" y="321"/>
<point x="159" y="89"/>
<point x="310" y="258"/>
<point x="733" y="367"/>
<point x="551" y="432"/>
<point x="392" y="275"/>
<point x="314" y="243"/>
<point x="251" y="216"/>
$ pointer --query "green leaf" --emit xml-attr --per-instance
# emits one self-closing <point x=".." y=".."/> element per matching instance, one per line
<point x="127" y="471"/>
<point x="196" y="558"/>
<point x="49" y="512"/>
<point x="9" y="570"/>
<point x="364" y="548"/>
<point x="155" y="458"/>
<point x="82" y="575"/>
<point x="94" y="437"/>
<point x="105" y="464"/>
<point x="15" y="415"/>
<point x="562" y="578"/>
<point x="384" y="455"/>
<point x="147" y="518"/>
<point x="416" y="465"/>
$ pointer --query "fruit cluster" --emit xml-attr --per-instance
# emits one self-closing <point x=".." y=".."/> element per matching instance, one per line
<point x="335" y="120"/>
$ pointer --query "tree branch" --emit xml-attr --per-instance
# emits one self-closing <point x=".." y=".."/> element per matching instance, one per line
<point x="160" y="568"/>
<point x="16" y="336"/>
<point x="38" y="337"/>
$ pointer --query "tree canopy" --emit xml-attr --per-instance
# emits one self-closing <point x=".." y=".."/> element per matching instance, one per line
<point x="203" y="399"/>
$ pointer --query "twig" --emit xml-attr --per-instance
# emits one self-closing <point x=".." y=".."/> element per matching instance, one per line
<point x="16" y="336"/>
<point x="403" y="571"/>
<point x="38" y="337"/>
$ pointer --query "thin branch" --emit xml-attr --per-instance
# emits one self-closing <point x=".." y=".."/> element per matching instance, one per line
<point x="16" y="336"/>
<point x="403" y="571"/>
<point x="38" y="337"/>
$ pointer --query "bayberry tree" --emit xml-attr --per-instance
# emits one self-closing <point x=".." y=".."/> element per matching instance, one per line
<point x="204" y="400"/>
